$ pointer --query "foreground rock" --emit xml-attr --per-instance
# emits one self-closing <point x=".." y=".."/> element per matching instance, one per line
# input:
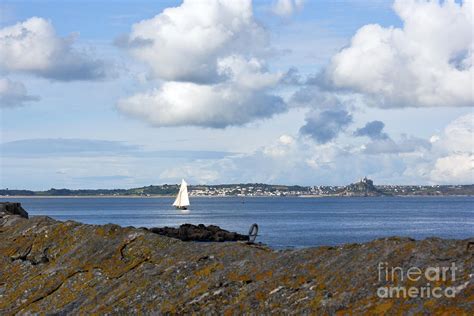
<point x="189" y="232"/>
<point x="13" y="208"/>
<point x="47" y="266"/>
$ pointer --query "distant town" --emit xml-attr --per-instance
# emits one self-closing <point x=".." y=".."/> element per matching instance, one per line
<point x="364" y="187"/>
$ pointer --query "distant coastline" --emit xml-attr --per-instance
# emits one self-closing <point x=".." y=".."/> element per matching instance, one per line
<point x="81" y="196"/>
<point x="363" y="188"/>
<point x="213" y="196"/>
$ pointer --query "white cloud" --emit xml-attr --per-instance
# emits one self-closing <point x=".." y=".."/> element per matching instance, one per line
<point x="408" y="160"/>
<point x="299" y="161"/>
<point x="284" y="144"/>
<point x="458" y="136"/>
<point x="426" y="63"/>
<point x="209" y="54"/>
<point x="455" y="168"/>
<point x="32" y="46"/>
<point x="185" y="43"/>
<point x="286" y="8"/>
<point x="250" y="74"/>
<point x="286" y="140"/>
<point x="455" y="150"/>
<point x="186" y="103"/>
<point x="13" y="94"/>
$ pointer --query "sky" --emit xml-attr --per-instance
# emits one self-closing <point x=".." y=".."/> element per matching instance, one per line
<point x="120" y="94"/>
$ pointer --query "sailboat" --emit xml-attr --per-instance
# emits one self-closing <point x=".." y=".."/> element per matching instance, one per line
<point x="182" y="200"/>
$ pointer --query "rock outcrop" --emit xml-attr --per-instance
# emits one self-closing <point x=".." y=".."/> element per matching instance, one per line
<point x="13" y="208"/>
<point x="365" y="187"/>
<point x="189" y="232"/>
<point x="53" y="267"/>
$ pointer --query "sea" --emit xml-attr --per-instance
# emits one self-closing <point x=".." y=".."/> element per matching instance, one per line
<point x="284" y="222"/>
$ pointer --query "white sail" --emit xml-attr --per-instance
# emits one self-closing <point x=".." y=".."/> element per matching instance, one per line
<point x="182" y="200"/>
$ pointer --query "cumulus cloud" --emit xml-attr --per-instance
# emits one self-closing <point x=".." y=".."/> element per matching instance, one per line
<point x="456" y="168"/>
<point x="289" y="159"/>
<point x="382" y="143"/>
<point x="329" y="113"/>
<point x="247" y="73"/>
<point x="187" y="103"/>
<point x="323" y="126"/>
<point x="209" y="54"/>
<point x="286" y="8"/>
<point x="373" y="130"/>
<point x="447" y="158"/>
<point x="184" y="43"/>
<point x="455" y="147"/>
<point x="300" y="161"/>
<point x="426" y="63"/>
<point x="241" y="98"/>
<point x="458" y="136"/>
<point x="284" y="144"/>
<point x="33" y="46"/>
<point x="292" y="77"/>
<point x="312" y="96"/>
<point x="13" y="94"/>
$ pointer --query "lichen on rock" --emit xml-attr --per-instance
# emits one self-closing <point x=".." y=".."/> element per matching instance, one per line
<point x="49" y="267"/>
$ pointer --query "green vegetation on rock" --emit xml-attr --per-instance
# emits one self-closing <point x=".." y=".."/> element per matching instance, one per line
<point x="365" y="187"/>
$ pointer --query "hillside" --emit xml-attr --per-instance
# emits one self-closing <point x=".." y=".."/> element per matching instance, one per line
<point x="365" y="187"/>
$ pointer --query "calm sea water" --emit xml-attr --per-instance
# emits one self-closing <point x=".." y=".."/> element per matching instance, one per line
<point x="283" y="222"/>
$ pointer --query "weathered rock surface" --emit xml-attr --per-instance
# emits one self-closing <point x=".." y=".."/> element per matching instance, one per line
<point x="13" y="208"/>
<point x="52" y="267"/>
<point x="189" y="232"/>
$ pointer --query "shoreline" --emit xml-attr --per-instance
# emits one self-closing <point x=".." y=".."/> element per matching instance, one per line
<point x="211" y="197"/>
<point x="138" y="271"/>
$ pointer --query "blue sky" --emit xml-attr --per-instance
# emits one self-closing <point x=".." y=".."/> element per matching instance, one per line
<point x="99" y="94"/>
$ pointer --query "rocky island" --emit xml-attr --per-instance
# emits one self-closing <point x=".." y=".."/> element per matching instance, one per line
<point x="53" y="267"/>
